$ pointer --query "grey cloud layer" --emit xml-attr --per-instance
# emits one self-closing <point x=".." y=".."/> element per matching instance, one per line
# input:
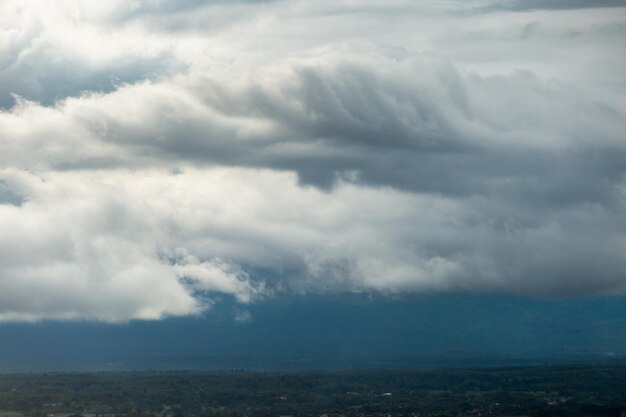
<point x="329" y="162"/>
<point x="557" y="4"/>
<point x="422" y="126"/>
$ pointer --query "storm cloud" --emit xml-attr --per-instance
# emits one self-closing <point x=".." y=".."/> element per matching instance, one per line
<point x="156" y="156"/>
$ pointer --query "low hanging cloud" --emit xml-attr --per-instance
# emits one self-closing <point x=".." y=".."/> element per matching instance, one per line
<point x="182" y="163"/>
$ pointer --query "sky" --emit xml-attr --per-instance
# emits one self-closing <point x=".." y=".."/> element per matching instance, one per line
<point x="157" y="155"/>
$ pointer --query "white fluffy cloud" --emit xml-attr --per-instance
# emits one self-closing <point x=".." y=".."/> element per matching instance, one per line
<point x="156" y="154"/>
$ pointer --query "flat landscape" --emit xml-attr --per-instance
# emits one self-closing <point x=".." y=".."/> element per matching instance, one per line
<point x="532" y="391"/>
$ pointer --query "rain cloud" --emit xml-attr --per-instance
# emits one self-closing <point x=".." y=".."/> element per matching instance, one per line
<point x="154" y="156"/>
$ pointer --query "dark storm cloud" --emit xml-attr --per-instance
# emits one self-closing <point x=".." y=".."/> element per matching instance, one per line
<point x="423" y="127"/>
<point x="159" y="152"/>
<point x="543" y="200"/>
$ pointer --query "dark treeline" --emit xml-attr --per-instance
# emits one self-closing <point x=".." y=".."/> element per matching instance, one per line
<point x="536" y="391"/>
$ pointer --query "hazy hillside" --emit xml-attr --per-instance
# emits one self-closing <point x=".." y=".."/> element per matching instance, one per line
<point x="345" y="331"/>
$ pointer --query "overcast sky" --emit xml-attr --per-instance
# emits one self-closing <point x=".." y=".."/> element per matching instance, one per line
<point x="155" y="154"/>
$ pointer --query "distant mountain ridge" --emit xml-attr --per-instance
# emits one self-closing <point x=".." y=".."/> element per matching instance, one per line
<point x="345" y="331"/>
